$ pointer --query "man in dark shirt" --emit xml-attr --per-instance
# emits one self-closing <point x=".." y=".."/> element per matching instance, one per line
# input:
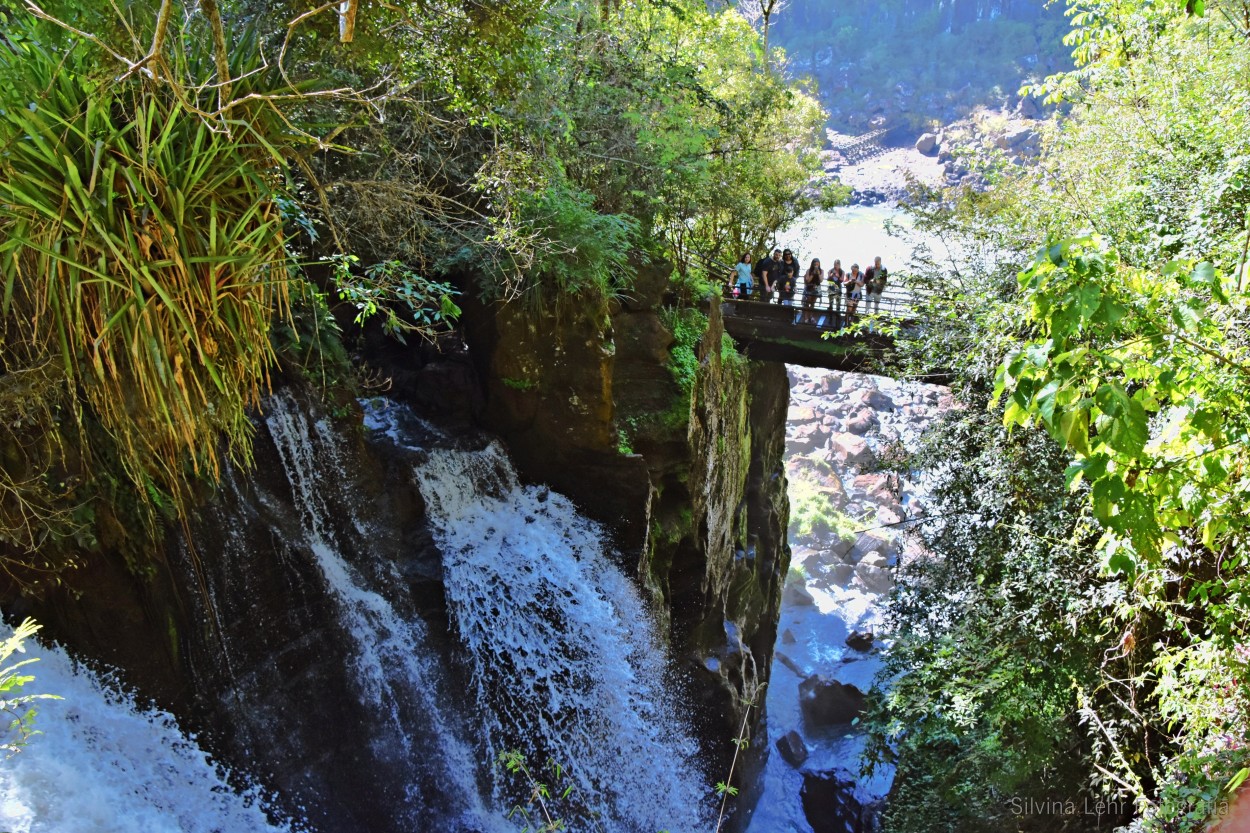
<point x="875" y="279"/>
<point x="764" y="275"/>
<point x="786" y="276"/>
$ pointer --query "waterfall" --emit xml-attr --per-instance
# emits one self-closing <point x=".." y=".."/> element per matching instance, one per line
<point x="551" y="652"/>
<point x="102" y="764"/>
<point x="398" y="677"/>
<point x="565" y="663"/>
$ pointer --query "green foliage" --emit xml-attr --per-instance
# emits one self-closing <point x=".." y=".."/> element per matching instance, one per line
<point x="628" y="129"/>
<point x="812" y="511"/>
<point x="142" y="266"/>
<point x="519" y="384"/>
<point x="1125" y="349"/>
<point x="18" y="704"/>
<point x="579" y="253"/>
<point x="308" y="341"/>
<point x="540" y="811"/>
<point x="389" y="284"/>
<point x="994" y="632"/>
<point x="623" y="446"/>
<point x="1124" y="346"/>
<point x="725" y="789"/>
<point x="729" y="354"/>
<point x="687" y="326"/>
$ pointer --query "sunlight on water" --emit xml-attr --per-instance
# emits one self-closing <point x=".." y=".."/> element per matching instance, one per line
<point x="103" y="765"/>
<point x="854" y="234"/>
<point x="564" y="656"/>
<point x="400" y="679"/>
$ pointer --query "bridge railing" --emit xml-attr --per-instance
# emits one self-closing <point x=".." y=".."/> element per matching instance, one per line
<point x="898" y="301"/>
<point x="831" y="311"/>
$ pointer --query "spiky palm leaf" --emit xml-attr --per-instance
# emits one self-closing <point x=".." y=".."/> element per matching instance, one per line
<point x="141" y="251"/>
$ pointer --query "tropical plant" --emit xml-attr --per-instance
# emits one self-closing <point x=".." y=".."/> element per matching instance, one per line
<point x="142" y="263"/>
<point x="542" y="800"/>
<point x="18" y="704"/>
<point x="1098" y="301"/>
<point x="725" y="789"/>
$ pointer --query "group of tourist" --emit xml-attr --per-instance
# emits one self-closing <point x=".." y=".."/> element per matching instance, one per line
<point x="780" y="275"/>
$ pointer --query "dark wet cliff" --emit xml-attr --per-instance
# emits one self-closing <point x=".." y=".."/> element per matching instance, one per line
<point x="241" y="624"/>
<point x="690" y="479"/>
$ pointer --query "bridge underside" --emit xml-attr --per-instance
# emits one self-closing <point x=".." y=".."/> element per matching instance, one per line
<point x="768" y="332"/>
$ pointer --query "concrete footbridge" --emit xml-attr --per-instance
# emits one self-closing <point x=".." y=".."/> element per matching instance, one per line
<point x="779" y="332"/>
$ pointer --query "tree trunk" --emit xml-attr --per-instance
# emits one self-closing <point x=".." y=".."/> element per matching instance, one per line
<point x="347" y="20"/>
<point x="220" y="53"/>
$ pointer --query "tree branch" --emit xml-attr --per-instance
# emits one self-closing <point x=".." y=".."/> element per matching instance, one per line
<point x="347" y="20"/>
<point x="220" y="54"/>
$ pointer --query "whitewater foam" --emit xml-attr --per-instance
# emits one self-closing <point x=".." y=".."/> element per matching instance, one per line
<point x="103" y="764"/>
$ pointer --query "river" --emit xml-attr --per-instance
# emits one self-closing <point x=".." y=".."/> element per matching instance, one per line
<point x="853" y="234"/>
<point x="846" y="534"/>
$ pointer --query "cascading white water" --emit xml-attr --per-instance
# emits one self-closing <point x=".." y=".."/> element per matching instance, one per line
<point x="395" y="671"/>
<point x="102" y="764"/>
<point x="564" y="658"/>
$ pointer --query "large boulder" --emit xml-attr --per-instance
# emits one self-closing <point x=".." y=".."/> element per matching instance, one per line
<point x="862" y="422"/>
<point x="889" y="515"/>
<point x="860" y="641"/>
<point x="1014" y="137"/>
<point x="875" y="578"/>
<point x="927" y="144"/>
<point x="796" y="594"/>
<point x="841" y="548"/>
<point x="831" y="806"/>
<point x="793" y="750"/>
<point x="800" y="414"/>
<point x="877" y="487"/>
<point x="800" y="445"/>
<point x="848" y="449"/>
<point x="840" y="575"/>
<point x="826" y="702"/>
<point x="873" y="559"/>
<point x="873" y="541"/>
<point x="874" y="399"/>
<point x="813" y="432"/>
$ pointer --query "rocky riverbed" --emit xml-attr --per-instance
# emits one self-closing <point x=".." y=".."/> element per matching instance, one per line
<point x="885" y="178"/>
<point x="847" y="530"/>
<point x="940" y="157"/>
<point x="1013" y="137"/>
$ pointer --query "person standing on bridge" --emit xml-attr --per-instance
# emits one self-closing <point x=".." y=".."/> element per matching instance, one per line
<point x="854" y="291"/>
<point x="836" y="277"/>
<point x="764" y="275"/>
<point x="786" y="277"/>
<point x="848" y="283"/>
<point x="875" y="280"/>
<point x="811" y="291"/>
<point x="743" y="270"/>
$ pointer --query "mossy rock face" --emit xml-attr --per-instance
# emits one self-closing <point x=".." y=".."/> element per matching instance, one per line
<point x="232" y="623"/>
<point x="717" y="556"/>
<point x="655" y="426"/>
<point x="549" y="382"/>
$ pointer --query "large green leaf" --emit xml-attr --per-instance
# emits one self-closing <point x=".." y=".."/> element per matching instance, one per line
<point x="1123" y="423"/>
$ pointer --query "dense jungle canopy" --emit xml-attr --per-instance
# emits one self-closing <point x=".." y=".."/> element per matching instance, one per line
<point x="187" y="191"/>
<point x="183" y="187"/>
